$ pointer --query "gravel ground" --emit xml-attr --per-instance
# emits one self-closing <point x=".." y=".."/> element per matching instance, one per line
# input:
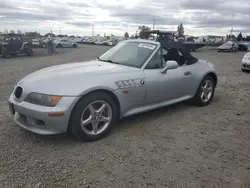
<point x="177" y="146"/>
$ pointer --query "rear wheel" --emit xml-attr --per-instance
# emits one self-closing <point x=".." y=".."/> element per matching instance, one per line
<point x="30" y="52"/>
<point x="74" y="46"/>
<point x="59" y="46"/>
<point x="93" y="117"/>
<point x="5" y="53"/>
<point x="205" y="92"/>
<point x="44" y="45"/>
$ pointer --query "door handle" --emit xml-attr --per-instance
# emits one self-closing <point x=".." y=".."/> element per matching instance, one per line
<point x="187" y="73"/>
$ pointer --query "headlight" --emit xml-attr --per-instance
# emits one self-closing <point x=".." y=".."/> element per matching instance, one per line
<point x="246" y="58"/>
<point x="43" y="99"/>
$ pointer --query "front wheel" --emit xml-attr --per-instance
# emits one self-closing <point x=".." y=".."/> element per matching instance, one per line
<point x="93" y="116"/>
<point x="205" y="92"/>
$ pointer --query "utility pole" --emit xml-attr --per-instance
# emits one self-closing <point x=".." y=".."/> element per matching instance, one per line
<point x="154" y="23"/>
<point x="232" y="30"/>
<point x="92" y="30"/>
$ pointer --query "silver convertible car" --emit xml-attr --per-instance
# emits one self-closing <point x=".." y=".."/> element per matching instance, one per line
<point x="87" y="98"/>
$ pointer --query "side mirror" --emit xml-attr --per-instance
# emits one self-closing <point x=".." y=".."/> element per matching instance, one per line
<point x="169" y="65"/>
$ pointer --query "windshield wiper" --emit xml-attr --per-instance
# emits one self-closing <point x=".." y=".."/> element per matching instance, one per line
<point x="110" y="61"/>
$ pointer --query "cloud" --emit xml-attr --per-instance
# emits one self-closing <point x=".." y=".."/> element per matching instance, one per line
<point x="77" y="16"/>
<point x="79" y="24"/>
<point x="222" y="6"/>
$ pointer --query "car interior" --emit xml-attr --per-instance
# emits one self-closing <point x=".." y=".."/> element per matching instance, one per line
<point x="164" y="55"/>
<point x="14" y="43"/>
<point x="175" y="55"/>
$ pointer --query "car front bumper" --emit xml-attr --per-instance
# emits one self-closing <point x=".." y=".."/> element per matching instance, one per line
<point x="245" y="66"/>
<point x="40" y="119"/>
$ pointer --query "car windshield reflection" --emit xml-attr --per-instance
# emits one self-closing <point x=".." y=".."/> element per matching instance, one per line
<point x="132" y="54"/>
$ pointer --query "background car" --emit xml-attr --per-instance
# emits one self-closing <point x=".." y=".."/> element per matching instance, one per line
<point x="132" y="77"/>
<point x="63" y="43"/>
<point x="13" y="44"/>
<point x="228" y="47"/>
<point x="243" y="47"/>
<point x="245" y="66"/>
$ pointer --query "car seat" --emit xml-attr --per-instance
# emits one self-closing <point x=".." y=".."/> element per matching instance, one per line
<point x="173" y="55"/>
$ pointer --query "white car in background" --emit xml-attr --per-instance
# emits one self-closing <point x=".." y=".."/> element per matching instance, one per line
<point x="246" y="62"/>
<point x="36" y="42"/>
<point x="63" y="43"/>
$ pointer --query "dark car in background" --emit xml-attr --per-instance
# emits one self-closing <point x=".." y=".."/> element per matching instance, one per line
<point x="228" y="47"/>
<point x="13" y="44"/>
<point x="243" y="47"/>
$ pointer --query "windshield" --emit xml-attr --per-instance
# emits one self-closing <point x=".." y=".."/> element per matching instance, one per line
<point x="132" y="54"/>
<point x="227" y="44"/>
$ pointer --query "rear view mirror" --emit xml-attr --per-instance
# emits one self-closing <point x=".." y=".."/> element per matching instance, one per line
<point x="170" y="65"/>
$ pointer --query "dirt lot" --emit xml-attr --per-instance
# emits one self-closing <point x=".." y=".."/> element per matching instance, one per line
<point x="177" y="146"/>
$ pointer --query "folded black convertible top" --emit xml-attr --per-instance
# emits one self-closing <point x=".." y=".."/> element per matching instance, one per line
<point x="182" y="47"/>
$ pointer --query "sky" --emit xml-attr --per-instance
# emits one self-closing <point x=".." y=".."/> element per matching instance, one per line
<point x="76" y="17"/>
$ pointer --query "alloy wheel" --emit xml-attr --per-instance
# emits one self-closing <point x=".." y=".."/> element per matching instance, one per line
<point x="96" y="117"/>
<point x="206" y="90"/>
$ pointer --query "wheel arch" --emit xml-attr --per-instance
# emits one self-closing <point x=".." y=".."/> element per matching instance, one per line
<point x="214" y="76"/>
<point x="106" y="91"/>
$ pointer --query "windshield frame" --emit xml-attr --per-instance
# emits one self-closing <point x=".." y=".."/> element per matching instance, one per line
<point x="134" y="41"/>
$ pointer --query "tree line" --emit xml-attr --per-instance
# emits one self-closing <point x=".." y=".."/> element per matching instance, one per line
<point x="144" y="32"/>
<point x="34" y="34"/>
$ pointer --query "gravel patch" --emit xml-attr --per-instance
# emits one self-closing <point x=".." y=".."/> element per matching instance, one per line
<point x="177" y="146"/>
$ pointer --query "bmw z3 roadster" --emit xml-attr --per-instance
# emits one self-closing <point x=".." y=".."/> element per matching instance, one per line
<point x="87" y="98"/>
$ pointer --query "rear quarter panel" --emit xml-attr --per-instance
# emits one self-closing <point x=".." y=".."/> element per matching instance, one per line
<point x="200" y="70"/>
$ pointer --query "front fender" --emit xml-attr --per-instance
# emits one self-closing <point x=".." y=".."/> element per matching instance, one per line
<point x="96" y="88"/>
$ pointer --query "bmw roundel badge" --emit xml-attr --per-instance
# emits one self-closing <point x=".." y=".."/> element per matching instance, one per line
<point x="142" y="82"/>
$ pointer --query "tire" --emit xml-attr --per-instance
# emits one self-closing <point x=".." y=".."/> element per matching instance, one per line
<point x="82" y="108"/>
<point x="6" y="54"/>
<point x="197" y="99"/>
<point x="59" y="46"/>
<point x="30" y="53"/>
<point x="74" y="46"/>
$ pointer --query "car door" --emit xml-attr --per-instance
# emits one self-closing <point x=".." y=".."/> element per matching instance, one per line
<point x="168" y="86"/>
<point x="64" y="43"/>
<point x="68" y="43"/>
<point x="188" y="73"/>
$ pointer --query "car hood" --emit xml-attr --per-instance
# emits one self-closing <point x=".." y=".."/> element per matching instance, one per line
<point x="246" y="58"/>
<point x="224" y="47"/>
<point x="65" y="79"/>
